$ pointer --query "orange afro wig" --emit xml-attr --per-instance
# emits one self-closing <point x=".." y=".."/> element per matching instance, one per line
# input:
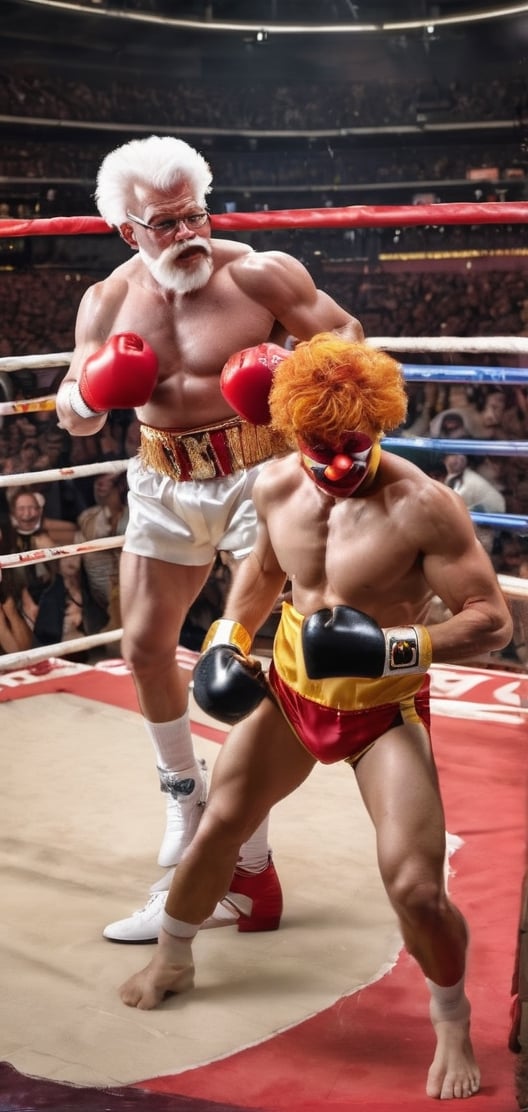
<point x="329" y="387"/>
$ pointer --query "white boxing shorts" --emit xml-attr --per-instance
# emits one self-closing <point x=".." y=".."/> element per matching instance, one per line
<point x="189" y="522"/>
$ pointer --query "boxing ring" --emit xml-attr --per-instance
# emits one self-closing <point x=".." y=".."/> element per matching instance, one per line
<point x="42" y="690"/>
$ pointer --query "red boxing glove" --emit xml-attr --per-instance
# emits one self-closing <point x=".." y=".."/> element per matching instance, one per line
<point x="246" y="381"/>
<point x="120" y="375"/>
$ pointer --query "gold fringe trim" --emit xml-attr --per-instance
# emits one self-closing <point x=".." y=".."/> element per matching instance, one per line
<point x="191" y="455"/>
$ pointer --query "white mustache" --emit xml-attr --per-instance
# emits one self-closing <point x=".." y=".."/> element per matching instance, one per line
<point x="178" y="248"/>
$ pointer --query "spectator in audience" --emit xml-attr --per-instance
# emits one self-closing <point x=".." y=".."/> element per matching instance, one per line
<point x="501" y="415"/>
<point x="64" y="498"/>
<point x="67" y="609"/>
<point x="27" y="457"/>
<point x="495" y="470"/>
<point x="107" y="517"/>
<point x="507" y="553"/>
<point x="27" y="510"/>
<point x="508" y="556"/>
<point x="54" y="448"/>
<point x="478" y="494"/>
<point x="23" y="530"/>
<point x="27" y="426"/>
<point x="87" y="450"/>
<point x="7" y="466"/>
<point x="422" y="408"/>
<point x="15" y="627"/>
<point x="266" y="106"/>
<point x="516" y="486"/>
<point x="449" y="425"/>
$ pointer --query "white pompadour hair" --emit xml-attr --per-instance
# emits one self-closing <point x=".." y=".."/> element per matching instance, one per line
<point x="159" y="162"/>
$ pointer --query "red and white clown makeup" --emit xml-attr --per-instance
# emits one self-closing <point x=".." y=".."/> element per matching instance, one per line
<point x="341" y="473"/>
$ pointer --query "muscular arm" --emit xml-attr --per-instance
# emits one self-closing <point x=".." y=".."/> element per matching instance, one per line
<point x="459" y="571"/>
<point x="284" y="286"/>
<point x="259" y="580"/>
<point x="256" y="586"/>
<point x="93" y="326"/>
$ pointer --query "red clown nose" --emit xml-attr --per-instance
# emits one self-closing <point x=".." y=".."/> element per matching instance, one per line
<point x="339" y="467"/>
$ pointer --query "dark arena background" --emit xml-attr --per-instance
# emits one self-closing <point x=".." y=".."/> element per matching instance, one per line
<point x="385" y="145"/>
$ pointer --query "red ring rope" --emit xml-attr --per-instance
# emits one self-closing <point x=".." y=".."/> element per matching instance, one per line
<point x="353" y="216"/>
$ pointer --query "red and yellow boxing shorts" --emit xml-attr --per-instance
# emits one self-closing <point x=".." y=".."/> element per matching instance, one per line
<point x="338" y="719"/>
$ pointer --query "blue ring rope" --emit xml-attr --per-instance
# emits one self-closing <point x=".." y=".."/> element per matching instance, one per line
<point x="452" y="445"/>
<point x="416" y="373"/>
<point x="511" y="523"/>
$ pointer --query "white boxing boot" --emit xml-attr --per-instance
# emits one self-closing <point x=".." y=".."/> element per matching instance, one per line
<point x="185" y="804"/>
<point x="186" y="797"/>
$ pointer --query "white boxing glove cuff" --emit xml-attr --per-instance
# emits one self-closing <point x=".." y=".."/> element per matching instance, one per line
<point x="407" y="649"/>
<point x="78" y="403"/>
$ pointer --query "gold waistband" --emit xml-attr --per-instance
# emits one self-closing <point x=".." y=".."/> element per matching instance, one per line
<point x="209" y="452"/>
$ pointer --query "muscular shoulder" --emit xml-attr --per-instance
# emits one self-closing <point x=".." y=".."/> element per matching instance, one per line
<point x="272" y="275"/>
<point x="118" y="279"/>
<point x="429" y="509"/>
<point x="102" y="301"/>
<point x="276" y="481"/>
<point x="229" y="250"/>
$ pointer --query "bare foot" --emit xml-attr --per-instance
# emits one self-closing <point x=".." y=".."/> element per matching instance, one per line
<point x="454" y="1072"/>
<point x="171" y="970"/>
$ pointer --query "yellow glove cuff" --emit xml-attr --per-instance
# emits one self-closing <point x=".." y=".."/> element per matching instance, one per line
<point x="226" y="632"/>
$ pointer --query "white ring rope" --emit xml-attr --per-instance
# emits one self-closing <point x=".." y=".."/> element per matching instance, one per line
<point x="37" y="362"/>
<point x="32" y="656"/>
<point x="56" y="552"/>
<point x="27" y="405"/>
<point x="492" y="345"/>
<point x="25" y="478"/>
<point x="513" y="587"/>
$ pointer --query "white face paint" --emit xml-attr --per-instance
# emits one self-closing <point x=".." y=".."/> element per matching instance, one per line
<point x="181" y="277"/>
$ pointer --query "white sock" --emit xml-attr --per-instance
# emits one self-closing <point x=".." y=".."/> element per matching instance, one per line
<point x="173" y="744"/>
<point x="254" y="854"/>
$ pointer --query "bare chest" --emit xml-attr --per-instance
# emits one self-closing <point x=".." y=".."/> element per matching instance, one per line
<point x="350" y="554"/>
<point x="195" y="334"/>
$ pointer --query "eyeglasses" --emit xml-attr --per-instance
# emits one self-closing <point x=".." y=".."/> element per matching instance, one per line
<point x="172" y="224"/>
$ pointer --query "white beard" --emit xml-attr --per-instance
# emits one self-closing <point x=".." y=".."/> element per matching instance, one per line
<point x="165" y="270"/>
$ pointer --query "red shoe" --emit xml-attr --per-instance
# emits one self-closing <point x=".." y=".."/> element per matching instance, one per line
<point x="260" y="905"/>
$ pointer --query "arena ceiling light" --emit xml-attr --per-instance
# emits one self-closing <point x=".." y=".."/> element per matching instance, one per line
<point x="355" y="28"/>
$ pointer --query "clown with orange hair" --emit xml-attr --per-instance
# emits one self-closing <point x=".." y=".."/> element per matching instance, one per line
<point x="334" y="400"/>
<point x="365" y="539"/>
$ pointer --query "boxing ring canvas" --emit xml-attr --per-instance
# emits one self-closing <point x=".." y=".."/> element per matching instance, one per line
<point x="326" y="1012"/>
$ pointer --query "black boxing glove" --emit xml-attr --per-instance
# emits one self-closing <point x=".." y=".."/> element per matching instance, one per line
<point x="347" y="642"/>
<point x="227" y="683"/>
